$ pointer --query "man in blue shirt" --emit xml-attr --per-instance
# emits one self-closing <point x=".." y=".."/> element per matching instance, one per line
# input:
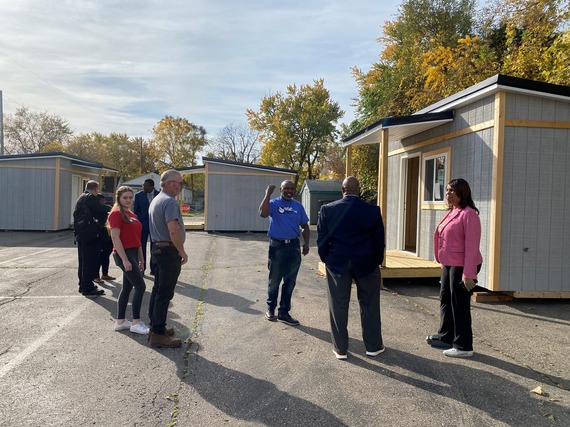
<point x="286" y="219"/>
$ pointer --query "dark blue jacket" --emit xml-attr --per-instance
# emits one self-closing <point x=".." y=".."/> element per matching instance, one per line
<point x="351" y="230"/>
<point x="140" y="207"/>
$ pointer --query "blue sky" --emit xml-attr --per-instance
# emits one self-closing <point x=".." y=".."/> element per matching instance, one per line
<point x="120" y="66"/>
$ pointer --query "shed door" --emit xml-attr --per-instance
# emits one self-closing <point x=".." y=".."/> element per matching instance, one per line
<point x="411" y="204"/>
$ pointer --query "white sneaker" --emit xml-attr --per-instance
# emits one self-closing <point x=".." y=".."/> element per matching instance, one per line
<point x="122" y="326"/>
<point x="140" y="328"/>
<point x="376" y="353"/>
<point x="455" y="352"/>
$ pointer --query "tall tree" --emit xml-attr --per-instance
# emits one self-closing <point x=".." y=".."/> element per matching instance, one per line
<point x="87" y="146"/>
<point x="531" y="38"/>
<point x="116" y="150"/>
<point x="178" y="141"/>
<point x="236" y="142"/>
<point x="28" y="132"/>
<point x="396" y="84"/>
<point x="296" y="127"/>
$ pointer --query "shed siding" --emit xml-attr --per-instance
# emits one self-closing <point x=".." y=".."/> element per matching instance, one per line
<point x="471" y="159"/>
<point x="391" y="217"/>
<point x="27" y="192"/>
<point x="535" y="232"/>
<point x="238" y="192"/>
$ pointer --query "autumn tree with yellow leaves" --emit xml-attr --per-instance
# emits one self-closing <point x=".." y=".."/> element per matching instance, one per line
<point x="296" y="128"/>
<point x="435" y="48"/>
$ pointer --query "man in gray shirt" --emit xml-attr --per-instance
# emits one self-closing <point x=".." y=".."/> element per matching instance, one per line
<point x="168" y="234"/>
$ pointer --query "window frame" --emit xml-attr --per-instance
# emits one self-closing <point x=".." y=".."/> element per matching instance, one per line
<point x="445" y="152"/>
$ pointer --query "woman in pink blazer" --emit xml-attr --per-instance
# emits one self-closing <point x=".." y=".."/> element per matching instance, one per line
<point x="456" y="247"/>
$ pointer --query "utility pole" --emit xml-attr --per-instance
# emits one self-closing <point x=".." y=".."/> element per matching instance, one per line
<point x="1" y="126"/>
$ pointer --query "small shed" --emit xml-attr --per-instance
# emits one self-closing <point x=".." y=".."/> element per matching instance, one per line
<point x="137" y="183"/>
<point x="39" y="191"/>
<point x="315" y="193"/>
<point x="233" y="192"/>
<point x="510" y="139"/>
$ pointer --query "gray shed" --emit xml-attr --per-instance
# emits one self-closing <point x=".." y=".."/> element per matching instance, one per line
<point x="233" y="192"/>
<point x="39" y="191"/>
<point x="510" y="139"/>
<point x="315" y="193"/>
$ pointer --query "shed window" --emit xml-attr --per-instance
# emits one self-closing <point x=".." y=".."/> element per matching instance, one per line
<point x="436" y="170"/>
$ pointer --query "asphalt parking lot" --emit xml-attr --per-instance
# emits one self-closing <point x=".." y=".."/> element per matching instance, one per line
<point x="62" y="364"/>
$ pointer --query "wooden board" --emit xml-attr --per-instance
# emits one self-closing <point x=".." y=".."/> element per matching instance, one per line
<point x="490" y="297"/>
<point x="403" y="265"/>
<point x="527" y="294"/>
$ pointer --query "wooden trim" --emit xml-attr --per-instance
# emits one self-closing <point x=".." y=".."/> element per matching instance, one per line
<point x="383" y="179"/>
<point x="537" y="124"/>
<point x="496" y="192"/>
<point x="437" y="206"/>
<point x="348" y="157"/>
<point x="434" y="207"/>
<point x="29" y="167"/>
<point x="446" y="137"/>
<point x="546" y="294"/>
<point x="56" y="195"/>
<point x="247" y="174"/>
<point x="482" y="126"/>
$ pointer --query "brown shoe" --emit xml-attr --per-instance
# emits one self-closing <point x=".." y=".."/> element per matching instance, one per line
<point x="157" y="340"/>
<point x="168" y="330"/>
<point x="108" y="277"/>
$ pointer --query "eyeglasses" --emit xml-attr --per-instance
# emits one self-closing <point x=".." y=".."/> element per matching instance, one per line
<point x="178" y="182"/>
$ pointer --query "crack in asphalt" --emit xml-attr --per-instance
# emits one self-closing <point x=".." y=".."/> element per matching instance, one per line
<point x="192" y="346"/>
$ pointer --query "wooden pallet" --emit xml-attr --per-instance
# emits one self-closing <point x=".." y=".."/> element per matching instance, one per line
<point x="490" y="297"/>
<point x="403" y="265"/>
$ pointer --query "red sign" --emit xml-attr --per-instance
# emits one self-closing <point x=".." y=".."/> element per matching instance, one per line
<point x="185" y="208"/>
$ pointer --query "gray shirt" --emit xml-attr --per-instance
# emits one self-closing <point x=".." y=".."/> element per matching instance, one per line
<point x="163" y="209"/>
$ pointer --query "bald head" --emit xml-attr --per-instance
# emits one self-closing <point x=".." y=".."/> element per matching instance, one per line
<point x="287" y="189"/>
<point x="350" y="185"/>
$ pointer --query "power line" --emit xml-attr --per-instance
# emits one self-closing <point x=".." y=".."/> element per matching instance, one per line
<point x="45" y="81"/>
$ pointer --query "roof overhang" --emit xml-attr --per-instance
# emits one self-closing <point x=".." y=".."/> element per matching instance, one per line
<point x="400" y="127"/>
<point x="75" y="161"/>
<point x="200" y="168"/>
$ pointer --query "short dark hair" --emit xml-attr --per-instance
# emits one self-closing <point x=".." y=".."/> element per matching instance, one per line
<point x="149" y="181"/>
<point x="91" y="185"/>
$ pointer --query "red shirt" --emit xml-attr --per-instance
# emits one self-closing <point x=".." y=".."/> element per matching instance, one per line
<point x="130" y="231"/>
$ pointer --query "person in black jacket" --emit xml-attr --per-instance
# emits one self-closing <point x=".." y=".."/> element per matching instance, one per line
<point x="88" y="230"/>
<point x="351" y="243"/>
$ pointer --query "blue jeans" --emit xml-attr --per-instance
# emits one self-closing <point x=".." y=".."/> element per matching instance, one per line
<point x="168" y="265"/>
<point x="284" y="262"/>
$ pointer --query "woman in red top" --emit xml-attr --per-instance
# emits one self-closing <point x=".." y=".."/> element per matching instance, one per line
<point x="126" y="235"/>
<point x="456" y="248"/>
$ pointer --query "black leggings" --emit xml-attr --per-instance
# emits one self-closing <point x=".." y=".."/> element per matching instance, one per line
<point x="131" y="279"/>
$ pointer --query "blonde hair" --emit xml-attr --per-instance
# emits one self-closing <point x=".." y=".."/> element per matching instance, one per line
<point x="120" y="191"/>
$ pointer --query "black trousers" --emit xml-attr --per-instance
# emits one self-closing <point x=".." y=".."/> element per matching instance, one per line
<point x="368" y="292"/>
<point x="169" y="264"/>
<point x="88" y="254"/>
<point x="455" y="309"/>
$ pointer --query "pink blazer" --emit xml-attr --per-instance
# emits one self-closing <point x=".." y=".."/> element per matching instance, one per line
<point x="457" y="244"/>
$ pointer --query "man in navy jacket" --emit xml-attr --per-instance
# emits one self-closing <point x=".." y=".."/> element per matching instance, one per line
<point x="351" y="243"/>
<point x="140" y="208"/>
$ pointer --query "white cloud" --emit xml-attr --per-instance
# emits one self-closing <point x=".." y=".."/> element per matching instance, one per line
<point x="120" y="66"/>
